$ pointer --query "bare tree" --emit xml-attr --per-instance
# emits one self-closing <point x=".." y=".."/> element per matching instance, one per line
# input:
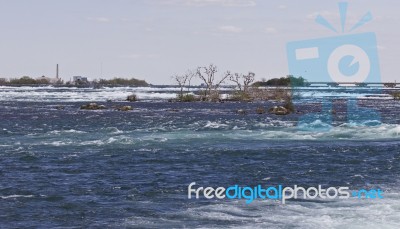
<point x="236" y="78"/>
<point x="247" y="80"/>
<point x="190" y="74"/>
<point x="242" y="81"/>
<point x="183" y="80"/>
<point x="207" y="75"/>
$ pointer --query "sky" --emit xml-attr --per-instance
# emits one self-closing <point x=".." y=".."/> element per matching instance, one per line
<point x="156" y="39"/>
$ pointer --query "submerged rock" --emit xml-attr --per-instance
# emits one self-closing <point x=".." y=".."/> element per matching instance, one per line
<point x="278" y="110"/>
<point x="131" y="98"/>
<point x="125" y="108"/>
<point x="60" y="107"/>
<point x="93" y="106"/>
<point x="260" y="110"/>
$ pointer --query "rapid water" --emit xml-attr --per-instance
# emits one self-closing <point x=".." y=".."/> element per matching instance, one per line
<point x="71" y="168"/>
<point x="67" y="94"/>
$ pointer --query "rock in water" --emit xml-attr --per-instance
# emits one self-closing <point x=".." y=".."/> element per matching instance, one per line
<point x="125" y="108"/>
<point x="260" y="110"/>
<point x="93" y="106"/>
<point x="131" y="98"/>
<point x="279" y="110"/>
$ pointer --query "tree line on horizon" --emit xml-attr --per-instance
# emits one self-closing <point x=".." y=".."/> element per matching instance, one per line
<point x="26" y="80"/>
<point x="122" y="82"/>
<point x="206" y="74"/>
<point x="288" y="81"/>
<point x="117" y="81"/>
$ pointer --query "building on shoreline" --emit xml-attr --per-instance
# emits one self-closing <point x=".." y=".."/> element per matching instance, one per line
<point x="80" y="80"/>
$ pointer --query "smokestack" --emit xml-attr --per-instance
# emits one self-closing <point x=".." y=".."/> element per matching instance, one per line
<point x="57" y="72"/>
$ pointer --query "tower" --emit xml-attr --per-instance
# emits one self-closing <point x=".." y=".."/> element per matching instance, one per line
<point x="57" y="72"/>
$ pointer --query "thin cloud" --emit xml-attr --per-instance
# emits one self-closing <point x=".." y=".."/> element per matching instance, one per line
<point x="282" y="7"/>
<point x="132" y="56"/>
<point x="99" y="19"/>
<point x="230" y="29"/>
<point x="271" y="30"/>
<point x="136" y="56"/>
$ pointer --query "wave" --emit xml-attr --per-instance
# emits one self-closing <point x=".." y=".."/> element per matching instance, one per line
<point x="288" y="131"/>
<point x="71" y="131"/>
<point x="16" y="196"/>
<point x="113" y="130"/>
<point x="349" y="213"/>
<point x="214" y="132"/>
<point x="215" y="125"/>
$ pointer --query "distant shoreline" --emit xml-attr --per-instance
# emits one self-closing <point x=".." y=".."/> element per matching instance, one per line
<point x="177" y="86"/>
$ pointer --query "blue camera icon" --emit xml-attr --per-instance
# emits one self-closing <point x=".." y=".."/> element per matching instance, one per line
<point x="345" y="59"/>
<point x="340" y="59"/>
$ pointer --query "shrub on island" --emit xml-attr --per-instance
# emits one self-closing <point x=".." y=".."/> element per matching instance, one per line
<point x="186" y="98"/>
<point x="396" y="95"/>
<point x="240" y="96"/>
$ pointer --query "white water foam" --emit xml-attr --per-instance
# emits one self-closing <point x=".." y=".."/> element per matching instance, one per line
<point x="16" y="196"/>
<point x="348" y="213"/>
<point x="288" y="131"/>
<point x="71" y="131"/>
<point x="225" y="133"/>
<point x="51" y="94"/>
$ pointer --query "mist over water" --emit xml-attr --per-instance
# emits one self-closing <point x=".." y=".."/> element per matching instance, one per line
<point x="76" y="168"/>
